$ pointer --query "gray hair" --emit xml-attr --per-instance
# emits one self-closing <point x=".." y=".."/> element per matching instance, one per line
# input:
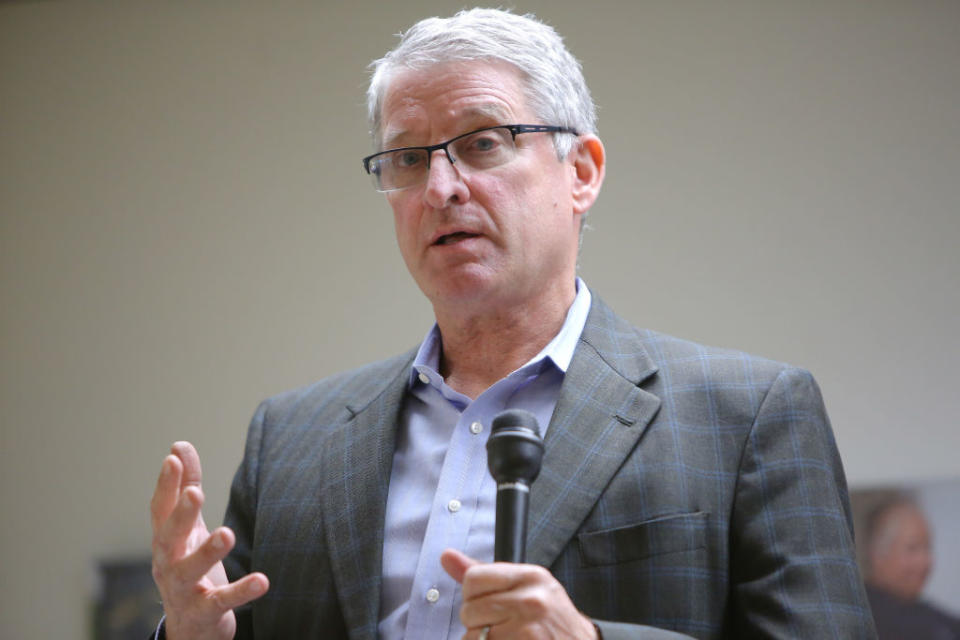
<point x="552" y="77"/>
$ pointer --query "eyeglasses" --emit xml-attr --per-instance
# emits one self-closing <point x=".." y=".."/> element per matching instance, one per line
<point x="478" y="150"/>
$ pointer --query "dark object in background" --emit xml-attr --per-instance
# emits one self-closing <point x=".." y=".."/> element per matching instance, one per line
<point x="899" y="619"/>
<point x="128" y="604"/>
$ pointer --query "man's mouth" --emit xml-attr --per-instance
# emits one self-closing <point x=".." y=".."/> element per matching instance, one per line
<point x="452" y="238"/>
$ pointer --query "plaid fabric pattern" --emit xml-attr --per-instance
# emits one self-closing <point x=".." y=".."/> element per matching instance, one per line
<point x="683" y="487"/>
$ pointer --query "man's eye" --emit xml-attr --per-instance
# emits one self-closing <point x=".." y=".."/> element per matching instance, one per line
<point x="407" y="159"/>
<point x="483" y="143"/>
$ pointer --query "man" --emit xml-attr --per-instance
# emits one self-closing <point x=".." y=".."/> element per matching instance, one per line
<point x="682" y="487"/>
<point x="899" y="561"/>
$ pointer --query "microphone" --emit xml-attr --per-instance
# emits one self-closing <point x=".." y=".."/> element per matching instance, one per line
<point x="514" y="454"/>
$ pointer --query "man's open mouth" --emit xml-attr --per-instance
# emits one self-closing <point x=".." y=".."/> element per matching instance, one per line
<point x="451" y="238"/>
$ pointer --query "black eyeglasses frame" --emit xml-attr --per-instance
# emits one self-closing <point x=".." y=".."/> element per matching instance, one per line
<point x="514" y="129"/>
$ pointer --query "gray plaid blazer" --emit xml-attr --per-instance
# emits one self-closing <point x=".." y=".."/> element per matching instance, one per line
<point x="683" y="487"/>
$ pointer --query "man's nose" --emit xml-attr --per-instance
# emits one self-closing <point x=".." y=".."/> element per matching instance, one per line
<point x="445" y="184"/>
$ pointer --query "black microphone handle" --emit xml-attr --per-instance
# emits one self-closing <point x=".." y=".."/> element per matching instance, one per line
<point x="510" y="544"/>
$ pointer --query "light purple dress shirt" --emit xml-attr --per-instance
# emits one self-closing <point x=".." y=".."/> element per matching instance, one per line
<point x="441" y="494"/>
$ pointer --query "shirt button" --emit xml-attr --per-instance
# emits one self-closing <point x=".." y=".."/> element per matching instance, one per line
<point x="432" y="595"/>
<point x="453" y="505"/>
<point x="476" y="428"/>
<point x="424" y="378"/>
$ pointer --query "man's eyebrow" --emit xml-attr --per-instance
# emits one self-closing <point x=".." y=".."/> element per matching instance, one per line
<point x="390" y="143"/>
<point x="478" y="116"/>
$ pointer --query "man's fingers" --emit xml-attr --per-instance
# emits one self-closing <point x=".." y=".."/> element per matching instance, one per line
<point x="456" y="563"/>
<point x="249" y="587"/>
<point x="175" y="531"/>
<point x="197" y="564"/>
<point x="179" y="469"/>
<point x="201" y="608"/>
<point x="479" y="614"/>
<point x="192" y="474"/>
<point x="488" y="605"/>
<point x="483" y="579"/>
<point x="515" y="599"/>
<point x="479" y="579"/>
<point x="166" y="493"/>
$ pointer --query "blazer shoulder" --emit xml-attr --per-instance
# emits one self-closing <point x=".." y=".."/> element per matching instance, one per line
<point x="339" y="395"/>
<point x="728" y="383"/>
<point x="638" y="353"/>
<point x="694" y="361"/>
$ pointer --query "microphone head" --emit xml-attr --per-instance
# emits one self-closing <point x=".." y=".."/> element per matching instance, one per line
<point x="514" y="449"/>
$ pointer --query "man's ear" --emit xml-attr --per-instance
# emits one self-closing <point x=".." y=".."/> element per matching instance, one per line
<point x="589" y="164"/>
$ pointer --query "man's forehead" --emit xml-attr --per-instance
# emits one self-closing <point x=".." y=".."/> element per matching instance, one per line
<point x="452" y="97"/>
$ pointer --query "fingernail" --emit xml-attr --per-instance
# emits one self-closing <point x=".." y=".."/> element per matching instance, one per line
<point x="254" y="587"/>
<point x="187" y="499"/>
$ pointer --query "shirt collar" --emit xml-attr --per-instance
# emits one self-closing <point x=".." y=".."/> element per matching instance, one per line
<point x="559" y="350"/>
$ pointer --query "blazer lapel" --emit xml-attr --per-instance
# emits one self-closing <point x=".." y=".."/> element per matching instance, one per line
<point x="357" y="458"/>
<point x="599" y="418"/>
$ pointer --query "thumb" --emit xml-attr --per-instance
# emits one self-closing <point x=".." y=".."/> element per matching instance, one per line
<point x="456" y="563"/>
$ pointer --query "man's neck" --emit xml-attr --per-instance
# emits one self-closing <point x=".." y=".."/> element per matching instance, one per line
<point x="481" y="348"/>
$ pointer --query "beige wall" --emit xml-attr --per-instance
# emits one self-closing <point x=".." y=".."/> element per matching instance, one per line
<point x="186" y="230"/>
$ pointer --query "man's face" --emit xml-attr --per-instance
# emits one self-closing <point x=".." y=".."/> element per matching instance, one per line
<point x="500" y="236"/>
<point x="901" y="566"/>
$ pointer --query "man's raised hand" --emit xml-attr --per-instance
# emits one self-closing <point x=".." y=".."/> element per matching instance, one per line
<point x="198" y="600"/>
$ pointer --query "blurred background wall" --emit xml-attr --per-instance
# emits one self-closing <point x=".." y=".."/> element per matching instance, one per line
<point x="186" y="229"/>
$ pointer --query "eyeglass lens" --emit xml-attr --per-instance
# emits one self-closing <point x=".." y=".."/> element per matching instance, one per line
<point x="472" y="152"/>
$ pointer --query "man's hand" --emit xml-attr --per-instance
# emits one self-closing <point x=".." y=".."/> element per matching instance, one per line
<point x="198" y="600"/>
<point x="515" y="601"/>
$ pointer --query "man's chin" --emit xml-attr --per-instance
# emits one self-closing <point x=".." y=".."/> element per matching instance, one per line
<point x="466" y="285"/>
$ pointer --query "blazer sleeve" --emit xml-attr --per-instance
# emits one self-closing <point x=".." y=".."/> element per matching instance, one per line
<point x="792" y="560"/>
<point x="623" y="631"/>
